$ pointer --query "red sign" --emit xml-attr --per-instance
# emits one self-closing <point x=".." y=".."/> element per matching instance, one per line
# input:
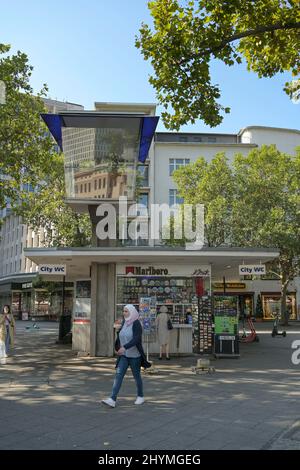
<point x="129" y="269"/>
<point x="199" y="286"/>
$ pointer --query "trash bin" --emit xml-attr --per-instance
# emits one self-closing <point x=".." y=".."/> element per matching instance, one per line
<point x="65" y="322"/>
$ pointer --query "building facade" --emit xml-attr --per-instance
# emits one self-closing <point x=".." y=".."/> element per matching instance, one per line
<point x="168" y="152"/>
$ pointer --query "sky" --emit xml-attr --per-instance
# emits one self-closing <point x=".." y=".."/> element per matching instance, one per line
<point x="84" y="50"/>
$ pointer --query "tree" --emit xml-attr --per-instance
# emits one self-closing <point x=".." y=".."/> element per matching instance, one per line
<point x="255" y="202"/>
<point x="266" y="208"/>
<point x="211" y="184"/>
<point x="188" y="35"/>
<point x="25" y="147"/>
<point x="46" y="209"/>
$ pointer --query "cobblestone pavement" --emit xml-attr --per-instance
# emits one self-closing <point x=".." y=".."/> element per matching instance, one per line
<point x="50" y="399"/>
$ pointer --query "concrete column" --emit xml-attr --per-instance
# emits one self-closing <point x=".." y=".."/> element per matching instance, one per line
<point x="102" y="309"/>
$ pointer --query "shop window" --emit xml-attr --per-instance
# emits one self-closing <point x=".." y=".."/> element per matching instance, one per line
<point x="272" y="304"/>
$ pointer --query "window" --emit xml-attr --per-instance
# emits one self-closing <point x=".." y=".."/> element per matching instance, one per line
<point x="174" y="198"/>
<point x="89" y="187"/>
<point x="144" y="174"/>
<point x="95" y="184"/>
<point x="212" y="140"/>
<point x="143" y="199"/>
<point x="100" y="184"/>
<point x="182" y="138"/>
<point x="175" y="163"/>
<point x="271" y="305"/>
<point x="85" y="187"/>
<point x="104" y="181"/>
<point x="81" y="188"/>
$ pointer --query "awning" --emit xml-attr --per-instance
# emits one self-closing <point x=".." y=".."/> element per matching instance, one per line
<point x="224" y="262"/>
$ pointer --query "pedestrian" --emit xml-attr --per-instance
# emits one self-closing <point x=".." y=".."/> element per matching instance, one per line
<point x="130" y="352"/>
<point x="188" y="317"/>
<point x="7" y="329"/>
<point x="163" y="332"/>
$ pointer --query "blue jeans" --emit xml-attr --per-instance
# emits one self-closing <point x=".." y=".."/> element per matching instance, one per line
<point x="7" y="340"/>
<point x="135" y="365"/>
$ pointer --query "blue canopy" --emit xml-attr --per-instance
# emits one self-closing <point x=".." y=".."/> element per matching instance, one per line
<point x="85" y="119"/>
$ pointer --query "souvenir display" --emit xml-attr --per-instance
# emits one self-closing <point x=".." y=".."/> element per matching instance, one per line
<point x="177" y="293"/>
<point x="203" y="330"/>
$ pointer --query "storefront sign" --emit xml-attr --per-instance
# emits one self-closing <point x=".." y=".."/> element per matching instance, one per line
<point x="229" y="285"/>
<point x="201" y="272"/>
<point x="27" y="285"/>
<point x="53" y="269"/>
<point x="249" y="269"/>
<point x="150" y="271"/>
<point x="186" y="270"/>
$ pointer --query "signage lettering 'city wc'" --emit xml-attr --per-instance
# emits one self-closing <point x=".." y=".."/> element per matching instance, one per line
<point x="250" y="269"/>
<point x="53" y="269"/>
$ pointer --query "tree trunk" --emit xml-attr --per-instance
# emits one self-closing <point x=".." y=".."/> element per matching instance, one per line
<point x="284" y="312"/>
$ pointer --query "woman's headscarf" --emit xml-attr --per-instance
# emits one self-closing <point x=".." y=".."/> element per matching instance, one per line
<point x="134" y="314"/>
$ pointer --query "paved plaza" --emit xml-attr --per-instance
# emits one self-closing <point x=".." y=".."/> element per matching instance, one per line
<point x="50" y="399"/>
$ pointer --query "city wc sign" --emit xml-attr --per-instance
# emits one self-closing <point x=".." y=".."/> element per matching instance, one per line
<point x="53" y="269"/>
<point x="252" y="269"/>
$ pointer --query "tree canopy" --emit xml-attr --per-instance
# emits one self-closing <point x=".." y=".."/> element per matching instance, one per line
<point x="254" y="201"/>
<point x="25" y="147"/>
<point x="28" y="159"/>
<point x="187" y="35"/>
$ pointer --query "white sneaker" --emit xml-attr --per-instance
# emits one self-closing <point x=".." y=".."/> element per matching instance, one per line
<point x="110" y="402"/>
<point x="139" y="401"/>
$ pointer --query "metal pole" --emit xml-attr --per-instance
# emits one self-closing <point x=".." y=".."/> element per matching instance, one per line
<point x="63" y="294"/>
<point x="61" y="321"/>
<point x="198" y="324"/>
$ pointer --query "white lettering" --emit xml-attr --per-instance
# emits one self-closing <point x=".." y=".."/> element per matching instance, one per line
<point x="296" y="354"/>
<point x="106" y="227"/>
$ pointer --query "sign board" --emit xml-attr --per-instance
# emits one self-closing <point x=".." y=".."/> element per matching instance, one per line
<point x="229" y="285"/>
<point x="153" y="270"/>
<point x="147" y="310"/>
<point x="250" y="269"/>
<point x="27" y="285"/>
<point x="25" y="316"/>
<point x="53" y="269"/>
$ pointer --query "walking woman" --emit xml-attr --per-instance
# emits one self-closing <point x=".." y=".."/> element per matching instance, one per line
<point x="163" y="332"/>
<point x="7" y="329"/>
<point x="130" y="352"/>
